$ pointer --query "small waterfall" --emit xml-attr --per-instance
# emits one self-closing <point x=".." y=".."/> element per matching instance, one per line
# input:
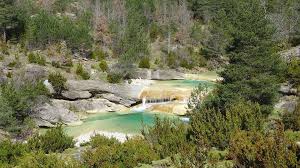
<point x="144" y="100"/>
<point x="143" y="107"/>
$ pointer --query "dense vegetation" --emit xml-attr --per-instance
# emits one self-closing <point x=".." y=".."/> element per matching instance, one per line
<point x="232" y="126"/>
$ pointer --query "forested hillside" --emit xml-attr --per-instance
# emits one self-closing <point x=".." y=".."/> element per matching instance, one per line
<point x="250" y="118"/>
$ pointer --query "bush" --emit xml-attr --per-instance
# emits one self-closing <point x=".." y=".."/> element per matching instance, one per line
<point x="171" y="60"/>
<point x="40" y="159"/>
<point x="186" y="64"/>
<point x="291" y="120"/>
<point x="100" y="140"/>
<point x="36" y="59"/>
<point x="254" y="149"/>
<point x="103" y="66"/>
<point x="9" y="152"/>
<point x="99" y="54"/>
<point x="54" y="140"/>
<point x="108" y="152"/>
<point x="56" y="64"/>
<point x="68" y="62"/>
<point x="168" y="137"/>
<point x="135" y="151"/>
<point x="144" y="63"/>
<point x="58" y="82"/>
<point x="17" y="101"/>
<point x="81" y="72"/>
<point x="114" y="77"/>
<point x="293" y="72"/>
<point x="240" y="115"/>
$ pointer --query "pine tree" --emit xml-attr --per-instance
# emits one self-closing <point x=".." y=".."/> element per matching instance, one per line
<point x="8" y="17"/>
<point x="254" y="67"/>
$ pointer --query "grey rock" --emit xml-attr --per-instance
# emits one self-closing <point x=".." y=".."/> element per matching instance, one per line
<point x="288" y="55"/>
<point x="124" y="91"/>
<point x="287" y="90"/>
<point x="119" y="100"/>
<point x="287" y="103"/>
<point x="93" y="105"/>
<point x="74" y="95"/>
<point x="48" y="114"/>
<point x="157" y="74"/>
<point x="4" y="135"/>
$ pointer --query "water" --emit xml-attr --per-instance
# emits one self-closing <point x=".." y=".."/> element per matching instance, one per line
<point x="130" y="123"/>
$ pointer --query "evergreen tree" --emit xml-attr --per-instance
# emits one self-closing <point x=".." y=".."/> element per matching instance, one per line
<point x="254" y="68"/>
<point x="8" y="16"/>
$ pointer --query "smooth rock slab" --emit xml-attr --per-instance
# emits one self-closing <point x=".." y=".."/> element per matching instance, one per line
<point x="75" y="95"/>
<point x="94" y="105"/>
<point x="119" y="100"/>
<point x="48" y="114"/>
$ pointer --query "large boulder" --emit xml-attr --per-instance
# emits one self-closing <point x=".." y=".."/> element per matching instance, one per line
<point x="75" y="95"/>
<point x="287" y="103"/>
<point x="157" y="74"/>
<point x="47" y="115"/>
<point x="125" y="91"/>
<point x="287" y="89"/>
<point x="34" y="72"/>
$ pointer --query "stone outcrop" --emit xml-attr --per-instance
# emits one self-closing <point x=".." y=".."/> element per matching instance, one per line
<point x="93" y="105"/>
<point x="287" y="89"/>
<point x="75" y="95"/>
<point x="118" y="100"/>
<point x="47" y="115"/>
<point x="123" y="91"/>
<point x="157" y="74"/>
<point x="287" y="103"/>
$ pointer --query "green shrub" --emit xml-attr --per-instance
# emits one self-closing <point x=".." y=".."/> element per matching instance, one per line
<point x="186" y="64"/>
<point x="12" y="64"/>
<point x="114" y="77"/>
<point x="155" y="32"/>
<point x="40" y="159"/>
<point x="9" y="74"/>
<point x="103" y="66"/>
<point x="56" y="64"/>
<point x="293" y="72"/>
<point x="108" y="152"/>
<point x="254" y="149"/>
<point x="99" y="54"/>
<point x="240" y="115"/>
<point x="17" y="101"/>
<point x="144" y="63"/>
<point x="68" y="62"/>
<point x="167" y="136"/>
<point x="135" y="151"/>
<point x="171" y="60"/>
<point x="81" y="72"/>
<point x="36" y="59"/>
<point x="58" y="82"/>
<point x="100" y="140"/>
<point x="10" y="151"/>
<point x="54" y="140"/>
